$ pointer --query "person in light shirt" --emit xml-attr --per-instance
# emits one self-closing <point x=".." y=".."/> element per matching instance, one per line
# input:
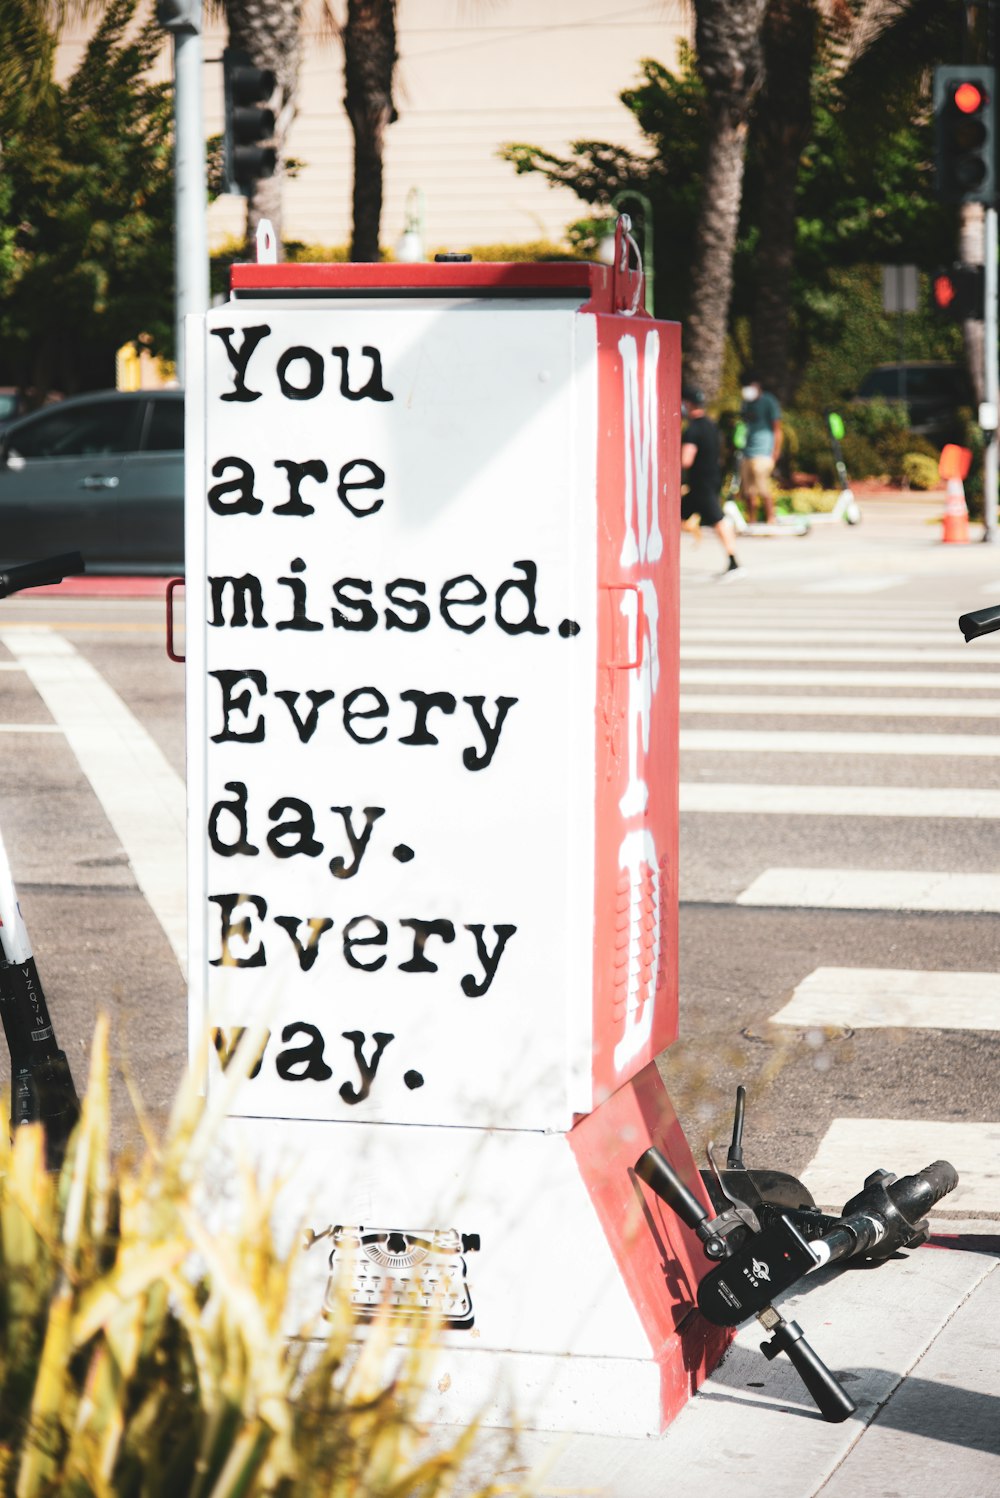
<point x="761" y="414"/>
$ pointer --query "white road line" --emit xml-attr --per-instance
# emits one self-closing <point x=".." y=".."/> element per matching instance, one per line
<point x="11" y="666"/>
<point x="917" y="655"/>
<point x="853" y="1146"/>
<point x="839" y="800"/>
<point x="816" y="705"/>
<point x="723" y="676"/>
<point x="774" y="741"/>
<point x="142" y="796"/>
<point x="832" y="634"/>
<point x="30" y="728"/>
<point x="873" y="889"/>
<point x="870" y="998"/>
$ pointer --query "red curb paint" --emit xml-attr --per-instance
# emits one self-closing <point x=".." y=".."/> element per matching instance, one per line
<point x="105" y="587"/>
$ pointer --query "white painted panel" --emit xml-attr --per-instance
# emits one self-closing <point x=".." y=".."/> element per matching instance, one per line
<point x="416" y="787"/>
<point x="873" y="889"/>
<point x="757" y="741"/>
<point x="873" y="997"/>
<point x="839" y="800"/>
<point x="852" y="1147"/>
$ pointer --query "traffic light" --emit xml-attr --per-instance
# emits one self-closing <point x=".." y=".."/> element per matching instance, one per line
<point x="958" y="292"/>
<point x="965" y="133"/>
<point x="248" y="125"/>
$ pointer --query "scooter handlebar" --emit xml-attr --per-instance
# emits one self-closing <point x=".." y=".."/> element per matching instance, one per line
<point x="980" y="622"/>
<point x="653" y="1168"/>
<point x="21" y="575"/>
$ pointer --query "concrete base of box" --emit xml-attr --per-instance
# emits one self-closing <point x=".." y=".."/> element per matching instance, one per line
<point x="571" y="1288"/>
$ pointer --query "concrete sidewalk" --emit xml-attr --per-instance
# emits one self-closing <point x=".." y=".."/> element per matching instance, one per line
<point x="914" y="1341"/>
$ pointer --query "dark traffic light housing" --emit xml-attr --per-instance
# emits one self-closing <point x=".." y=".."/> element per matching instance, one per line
<point x="965" y="133"/>
<point x="958" y="292"/>
<point x="249" y="126"/>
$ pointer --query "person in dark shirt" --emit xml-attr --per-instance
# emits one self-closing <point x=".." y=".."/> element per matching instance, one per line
<point x="702" y="472"/>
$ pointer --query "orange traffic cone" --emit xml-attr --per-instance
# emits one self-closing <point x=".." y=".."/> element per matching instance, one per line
<point x="953" y="467"/>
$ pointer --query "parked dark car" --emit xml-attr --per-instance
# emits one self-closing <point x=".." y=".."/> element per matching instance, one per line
<point x="934" y="392"/>
<point x="102" y="474"/>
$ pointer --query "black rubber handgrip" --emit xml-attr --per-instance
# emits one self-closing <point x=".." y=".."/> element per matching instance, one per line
<point x="659" y="1174"/>
<point x="832" y="1399"/>
<point x="980" y="622"/>
<point x="914" y="1195"/>
<point x="23" y="575"/>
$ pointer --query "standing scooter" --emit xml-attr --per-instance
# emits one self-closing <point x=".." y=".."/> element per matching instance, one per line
<point x="846" y="507"/>
<point x="41" y="1084"/>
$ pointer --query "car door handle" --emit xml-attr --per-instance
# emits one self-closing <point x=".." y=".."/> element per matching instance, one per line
<point x="99" y="481"/>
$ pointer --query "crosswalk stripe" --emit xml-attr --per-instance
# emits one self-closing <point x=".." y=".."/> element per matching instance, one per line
<point x="818" y="705"/>
<point x="869" y="998"/>
<point x="852" y="1146"/>
<point x="775" y="741"/>
<point x="874" y="889"/>
<point x="834" y="634"/>
<point x="724" y="676"/>
<point x="917" y="655"/>
<point x="838" y="800"/>
<point x="30" y="728"/>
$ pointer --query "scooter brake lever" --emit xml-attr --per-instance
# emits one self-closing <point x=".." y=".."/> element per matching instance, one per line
<point x="740" y="1212"/>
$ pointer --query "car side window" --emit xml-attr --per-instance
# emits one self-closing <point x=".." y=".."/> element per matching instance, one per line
<point x="165" y="433"/>
<point x="100" y="427"/>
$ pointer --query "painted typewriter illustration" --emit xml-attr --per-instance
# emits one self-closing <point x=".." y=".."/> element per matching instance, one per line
<point x="419" y="1272"/>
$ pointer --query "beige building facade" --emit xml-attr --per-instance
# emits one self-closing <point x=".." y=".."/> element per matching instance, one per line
<point x="472" y="76"/>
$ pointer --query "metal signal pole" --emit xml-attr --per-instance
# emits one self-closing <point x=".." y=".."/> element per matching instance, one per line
<point x="182" y="18"/>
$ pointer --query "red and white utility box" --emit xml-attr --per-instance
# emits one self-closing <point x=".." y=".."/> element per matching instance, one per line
<point x="433" y="804"/>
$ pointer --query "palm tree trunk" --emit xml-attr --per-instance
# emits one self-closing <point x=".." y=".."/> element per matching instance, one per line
<point x="727" y="41"/>
<point x="269" y="31"/>
<point x="781" y="128"/>
<point x="369" y="63"/>
<point x="715" y="241"/>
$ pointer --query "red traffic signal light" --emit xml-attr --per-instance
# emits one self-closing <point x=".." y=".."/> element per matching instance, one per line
<point x="958" y="292"/>
<point x="943" y="291"/>
<point x="968" y="97"/>
<point x="965" y="133"/>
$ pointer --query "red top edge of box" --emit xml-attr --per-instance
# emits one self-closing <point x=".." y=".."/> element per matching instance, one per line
<point x="446" y="277"/>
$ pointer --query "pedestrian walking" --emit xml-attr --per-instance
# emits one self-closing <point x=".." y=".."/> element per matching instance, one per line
<point x="761" y="415"/>
<point x="702" y="473"/>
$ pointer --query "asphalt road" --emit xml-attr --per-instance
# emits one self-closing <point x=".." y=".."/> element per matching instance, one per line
<point x="823" y="618"/>
<point x="823" y="612"/>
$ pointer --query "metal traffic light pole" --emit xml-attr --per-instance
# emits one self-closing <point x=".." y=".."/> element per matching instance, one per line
<point x="182" y="18"/>
<point x="988" y="416"/>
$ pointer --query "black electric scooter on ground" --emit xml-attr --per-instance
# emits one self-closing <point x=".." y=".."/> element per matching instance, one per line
<point x="767" y="1233"/>
<point x="41" y="1084"/>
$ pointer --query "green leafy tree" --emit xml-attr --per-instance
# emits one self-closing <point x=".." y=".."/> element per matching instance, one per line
<point x="87" y="201"/>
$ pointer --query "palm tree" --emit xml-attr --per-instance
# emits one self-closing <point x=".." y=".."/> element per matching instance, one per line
<point x="369" y="37"/>
<point x="728" y="45"/>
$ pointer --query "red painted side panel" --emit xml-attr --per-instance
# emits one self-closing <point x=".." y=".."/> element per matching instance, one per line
<point x="661" y="1261"/>
<point x="635" y="912"/>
